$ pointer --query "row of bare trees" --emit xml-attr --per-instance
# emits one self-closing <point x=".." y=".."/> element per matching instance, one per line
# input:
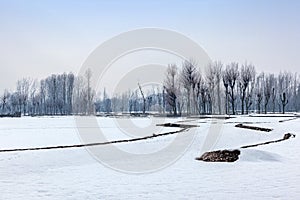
<point x="58" y="94"/>
<point x="229" y="89"/>
<point x="217" y="89"/>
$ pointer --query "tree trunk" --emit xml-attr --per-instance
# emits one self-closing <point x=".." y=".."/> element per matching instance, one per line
<point x="232" y="101"/>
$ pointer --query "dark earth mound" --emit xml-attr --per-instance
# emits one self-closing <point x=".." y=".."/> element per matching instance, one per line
<point x="220" y="156"/>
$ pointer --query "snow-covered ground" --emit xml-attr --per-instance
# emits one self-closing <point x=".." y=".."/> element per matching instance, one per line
<point x="264" y="172"/>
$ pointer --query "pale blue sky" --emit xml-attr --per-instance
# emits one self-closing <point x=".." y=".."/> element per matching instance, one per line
<point x="42" y="37"/>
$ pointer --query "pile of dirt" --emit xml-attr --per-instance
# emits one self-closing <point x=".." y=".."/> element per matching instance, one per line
<point x="288" y="135"/>
<point x="220" y="156"/>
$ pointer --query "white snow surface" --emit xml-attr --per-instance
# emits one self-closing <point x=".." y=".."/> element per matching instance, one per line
<point x="264" y="172"/>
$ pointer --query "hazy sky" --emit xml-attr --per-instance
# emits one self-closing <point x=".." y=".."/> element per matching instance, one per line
<point x="38" y="38"/>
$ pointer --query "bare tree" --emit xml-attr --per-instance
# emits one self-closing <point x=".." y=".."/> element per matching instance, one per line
<point x="79" y="96"/>
<point x="232" y="74"/>
<point x="189" y="79"/>
<point x="298" y="97"/>
<point x="70" y="87"/>
<point x="247" y="74"/>
<point x="267" y="90"/>
<point x="14" y="103"/>
<point x="144" y="99"/>
<point x="210" y="80"/>
<point x="259" y="91"/>
<point x="4" y="100"/>
<point x="294" y="91"/>
<point x="171" y="88"/>
<point x="273" y="91"/>
<point x="23" y="93"/>
<point x="226" y="85"/>
<point x="259" y="100"/>
<point x="42" y="110"/>
<point x="281" y="89"/>
<point x="218" y="76"/>
<point x="64" y="93"/>
<point x="249" y="95"/>
<point x="124" y="101"/>
<point x="284" y="101"/>
<point x="33" y="99"/>
<point x="284" y="83"/>
<point x="203" y="97"/>
<point x="180" y="97"/>
<point x="88" y="76"/>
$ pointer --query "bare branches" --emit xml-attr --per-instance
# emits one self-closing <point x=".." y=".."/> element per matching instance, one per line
<point x="23" y="86"/>
<point x="144" y="99"/>
<point x="217" y="68"/>
<point x="189" y="80"/>
<point x="267" y="90"/>
<point x="184" y="91"/>
<point x="247" y="76"/>
<point x="171" y="88"/>
<point x="231" y="75"/>
<point x="88" y="76"/>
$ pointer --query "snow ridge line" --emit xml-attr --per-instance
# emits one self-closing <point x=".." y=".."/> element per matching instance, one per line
<point x="285" y="137"/>
<point x="93" y="144"/>
<point x="256" y="128"/>
<point x="285" y="120"/>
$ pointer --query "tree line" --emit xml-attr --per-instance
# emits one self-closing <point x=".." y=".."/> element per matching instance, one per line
<point x="229" y="89"/>
<point x="219" y="89"/>
<point x="58" y="94"/>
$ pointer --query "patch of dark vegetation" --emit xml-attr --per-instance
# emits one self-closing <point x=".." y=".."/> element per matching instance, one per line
<point x="285" y="137"/>
<point x="16" y="114"/>
<point x="253" y="128"/>
<point x="177" y="125"/>
<point x="220" y="156"/>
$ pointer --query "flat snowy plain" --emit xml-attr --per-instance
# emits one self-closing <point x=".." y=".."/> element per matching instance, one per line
<point x="265" y="172"/>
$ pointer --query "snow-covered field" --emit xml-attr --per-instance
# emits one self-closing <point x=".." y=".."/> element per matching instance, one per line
<point x="265" y="172"/>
